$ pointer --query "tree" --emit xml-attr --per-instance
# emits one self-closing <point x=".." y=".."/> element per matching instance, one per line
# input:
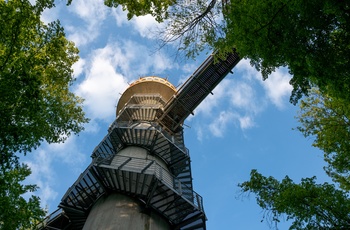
<point x="328" y="120"/>
<point x="308" y="205"/>
<point x="35" y="102"/>
<point x="35" y="76"/>
<point x="309" y="37"/>
<point x="15" y="211"/>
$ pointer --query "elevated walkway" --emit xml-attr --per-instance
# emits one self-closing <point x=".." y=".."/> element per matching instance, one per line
<point x="195" y="90"/>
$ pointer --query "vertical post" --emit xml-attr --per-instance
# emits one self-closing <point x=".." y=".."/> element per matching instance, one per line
<point x="180" y="188"/>
<point x="199" y="202"/>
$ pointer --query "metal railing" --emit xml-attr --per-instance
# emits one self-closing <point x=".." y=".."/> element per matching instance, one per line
<point x="57" y="213"/>
<point x="152" y="167"/>
<point x="153" y="125"/>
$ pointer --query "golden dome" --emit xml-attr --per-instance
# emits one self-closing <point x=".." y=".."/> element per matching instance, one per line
<point x="147" y="85"/>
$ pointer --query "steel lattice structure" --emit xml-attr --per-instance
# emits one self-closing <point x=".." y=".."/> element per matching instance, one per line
<point x="152" y="121"/>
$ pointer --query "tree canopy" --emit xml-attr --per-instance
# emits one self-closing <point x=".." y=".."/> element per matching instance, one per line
<point x="327" y="119"/>
<point x="156" y="8"/>
<point x="308" y="205"/>
<point x="16" y="212"/>
<point x="36" y="103"/>
<point x="309" y="37"/>
<point x="35" y="76"/>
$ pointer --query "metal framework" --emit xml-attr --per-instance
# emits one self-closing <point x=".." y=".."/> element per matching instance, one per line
<point x="148" y="122"/>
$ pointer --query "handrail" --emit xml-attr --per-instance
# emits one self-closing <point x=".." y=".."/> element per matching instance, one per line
<point x="135" y="164"/>
<point x="49" y="218"/>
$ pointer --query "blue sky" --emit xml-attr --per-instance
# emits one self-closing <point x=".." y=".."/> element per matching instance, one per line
<point x="247" y="123"/>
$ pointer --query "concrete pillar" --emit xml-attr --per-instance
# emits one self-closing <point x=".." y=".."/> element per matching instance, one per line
<point x="121" y="212"/>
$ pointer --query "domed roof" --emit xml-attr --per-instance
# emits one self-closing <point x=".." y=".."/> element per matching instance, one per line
<point x="147" y="85"/>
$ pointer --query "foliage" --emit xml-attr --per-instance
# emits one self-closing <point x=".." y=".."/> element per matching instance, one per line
<point x="35" y="102"/>
<point x="15" y="211"/>
<point x="35" y="76"/>
<point x="327" y="119"/>
<point x="156" y="8"/>
<point x="310" y="37"/>
<point x="308" y="205"/>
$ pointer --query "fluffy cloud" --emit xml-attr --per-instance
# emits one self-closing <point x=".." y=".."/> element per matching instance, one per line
<point x="108" y="71"/>
<point x="78" y="67"/>
<point x="140" y="61"/>
<point x="246" y="122"/>
<point x="102" y="84"/>
<point x="212" y="101"/>
<point x="243" y="97"/>
<point x="219" y="125"/>
<point x="50" y="15"/>
<point x="120" y="16"/>
<point x="146" y="26"/>
<point x="92" y="13"/>
<point x="278" y="88"/>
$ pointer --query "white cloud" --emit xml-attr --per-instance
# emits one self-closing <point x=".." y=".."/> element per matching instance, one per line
<point x="241" y="95"/>
<point x="120" y="16"/>
<point x="248" y="72"/>
<point x="246" y="122"/>
<point x="92" y="13"/>
<point x="278" y="88"/>
<point x="212" y="101"/>
<point x="146" y="26"/>
<point x="78" y="67"/>
<point x="89" y="10"/>
<point x="220" y="124"/>
<point x="136" y="60"/>
<point x="199" y="133"/>
<point x="92" y="127"/>
<point x="225" y="119"/>
<point x="102" y="84"/>
<point x="67" y="151"/>
<point x="161" y="62"/>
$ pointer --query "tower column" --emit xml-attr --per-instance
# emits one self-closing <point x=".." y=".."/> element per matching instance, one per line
<point x="118" y="211"/>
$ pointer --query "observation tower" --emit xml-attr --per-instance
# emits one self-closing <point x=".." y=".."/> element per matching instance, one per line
<point x="140" y="174"/>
